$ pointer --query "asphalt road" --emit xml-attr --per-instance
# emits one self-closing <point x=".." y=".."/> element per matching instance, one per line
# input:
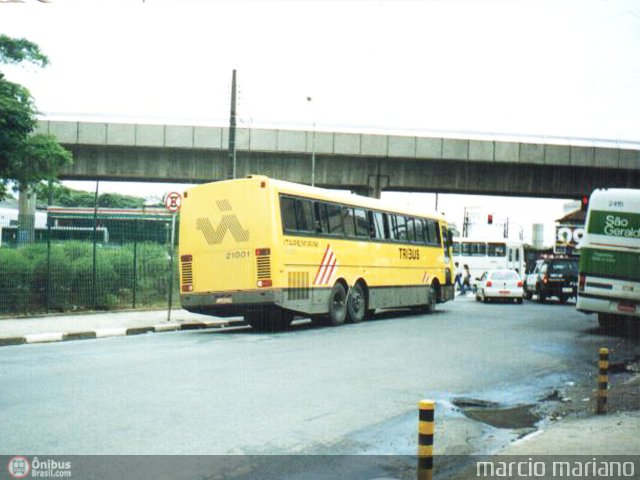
<point x="312" y="390"/>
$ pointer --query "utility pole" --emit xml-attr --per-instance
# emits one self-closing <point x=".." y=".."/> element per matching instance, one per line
<point x="313" y="144"/>
<point x="232" y="126"/>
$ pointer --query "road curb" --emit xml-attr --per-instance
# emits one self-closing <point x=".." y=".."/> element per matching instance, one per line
<point x="51" y="337"/>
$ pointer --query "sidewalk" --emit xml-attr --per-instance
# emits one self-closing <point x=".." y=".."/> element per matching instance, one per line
<point x="611" y="434"/>
<point x="57" y="328"/>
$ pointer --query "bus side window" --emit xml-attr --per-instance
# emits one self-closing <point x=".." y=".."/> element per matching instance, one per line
<point x="334" y="215"/>
<point x="378" y="223"/>
<point x="433" y="236"/>
<point x="401" y="228"/>
<point x="419" y="225"/>
<point x="362" y="223"/>
<point x="304" y="216"/>
<point x="392" y="227"/>
<point x="497" y="250"/>
<point x="288" y="213"/>
<point x="456" y="248"/>
<point x="349" y="222"/>
<point x="411" y="229"/>
<point x="322" y="221"/>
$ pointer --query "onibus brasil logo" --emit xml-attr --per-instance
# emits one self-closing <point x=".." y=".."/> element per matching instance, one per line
<point x="20" y="467"/>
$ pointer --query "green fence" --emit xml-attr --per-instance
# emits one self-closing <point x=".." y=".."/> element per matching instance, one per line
<point x="68" y="260"/>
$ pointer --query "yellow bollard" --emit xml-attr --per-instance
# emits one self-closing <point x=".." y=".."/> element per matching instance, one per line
<point x="603" y="381"/>
<point x="425" y="439"/>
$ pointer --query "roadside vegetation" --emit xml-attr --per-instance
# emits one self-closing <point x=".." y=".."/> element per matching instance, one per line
<point x="34" y="279"/>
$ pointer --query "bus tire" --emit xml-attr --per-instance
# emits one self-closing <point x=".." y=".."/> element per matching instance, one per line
<point x="337" y="305"/>
<point x="430" y="306"/>
<point x="357" y="303"/>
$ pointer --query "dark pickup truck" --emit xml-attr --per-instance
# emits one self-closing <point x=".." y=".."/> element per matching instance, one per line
<point x="552" y="277"/>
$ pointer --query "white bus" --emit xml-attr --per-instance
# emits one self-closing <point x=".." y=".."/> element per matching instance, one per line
<point x="482" y="254"/>
<point x="609" y="269"/>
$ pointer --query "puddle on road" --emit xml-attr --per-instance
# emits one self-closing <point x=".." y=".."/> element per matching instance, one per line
<point x="491" y="413"/>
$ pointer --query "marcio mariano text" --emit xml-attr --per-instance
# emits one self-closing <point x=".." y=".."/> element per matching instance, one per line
<point x="557" y="468"/>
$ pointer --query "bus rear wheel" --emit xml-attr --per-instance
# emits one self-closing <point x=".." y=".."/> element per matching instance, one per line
<point x="337" y="305"/>
<point x="357" y="303"/>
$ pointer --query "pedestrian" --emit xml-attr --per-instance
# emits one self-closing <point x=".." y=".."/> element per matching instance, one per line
<point x="466" y="279"/>
<point x="458" y="277"/>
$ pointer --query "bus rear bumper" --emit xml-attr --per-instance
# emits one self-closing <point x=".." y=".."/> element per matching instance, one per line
<point x="613" y="306"/>
<point x="229" y="304"/>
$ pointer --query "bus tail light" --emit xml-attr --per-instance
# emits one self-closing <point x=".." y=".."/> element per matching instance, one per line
<point x="545" y="279"/>
<point x="489" y="284"/>
<point x="186" y="265"/>
<point x="520" y="283"/>
<point x="582" y="281"/>
<point x="263" y="267"/>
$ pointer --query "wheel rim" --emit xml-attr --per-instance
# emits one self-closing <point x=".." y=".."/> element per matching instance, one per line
<point x="338" y="307"/>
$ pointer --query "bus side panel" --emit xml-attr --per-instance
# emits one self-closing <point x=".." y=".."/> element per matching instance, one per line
<point x="611" y="282"/>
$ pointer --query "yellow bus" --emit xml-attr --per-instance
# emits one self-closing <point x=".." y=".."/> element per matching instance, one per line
<point x="268" y="250"/>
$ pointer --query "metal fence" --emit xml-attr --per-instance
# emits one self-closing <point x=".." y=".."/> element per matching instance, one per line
<point x="65" y="260"/>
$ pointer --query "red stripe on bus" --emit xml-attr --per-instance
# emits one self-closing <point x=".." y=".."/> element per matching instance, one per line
<point x="330" y="270"/>
<point x="315" y="282"/>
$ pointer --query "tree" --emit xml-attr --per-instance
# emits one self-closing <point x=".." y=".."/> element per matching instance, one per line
<point x="67" y="197"/>
<point x="24" y="157"/>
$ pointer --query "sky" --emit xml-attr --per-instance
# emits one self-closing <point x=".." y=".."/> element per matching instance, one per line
<point x="553" y="71"/>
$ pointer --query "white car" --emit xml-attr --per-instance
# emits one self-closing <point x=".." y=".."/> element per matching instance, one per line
<point x="498" y="284"/>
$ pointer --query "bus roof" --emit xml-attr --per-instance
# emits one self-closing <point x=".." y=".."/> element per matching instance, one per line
<point x="332" y="196"/>
<point x="601" y="197"/>
<point x="488" y="239"/>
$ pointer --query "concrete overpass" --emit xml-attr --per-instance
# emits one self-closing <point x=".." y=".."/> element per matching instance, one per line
<point x="364" y="163"/>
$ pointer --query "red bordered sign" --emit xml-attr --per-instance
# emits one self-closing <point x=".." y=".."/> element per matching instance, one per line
<point x="173" y="201"/>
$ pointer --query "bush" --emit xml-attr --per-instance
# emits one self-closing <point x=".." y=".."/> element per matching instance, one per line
<point x="33" y="279"/>
<point x="15" y="282"/>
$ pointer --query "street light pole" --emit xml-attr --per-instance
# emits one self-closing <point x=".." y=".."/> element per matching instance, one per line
<point x="232" y="127"/>
<point x="313" y="145"/>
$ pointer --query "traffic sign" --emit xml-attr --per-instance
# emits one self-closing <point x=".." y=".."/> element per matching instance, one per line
<point x="173" y="201"/>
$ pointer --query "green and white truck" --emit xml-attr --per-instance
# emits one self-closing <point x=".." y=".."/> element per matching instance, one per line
<point x="609" y="268"/>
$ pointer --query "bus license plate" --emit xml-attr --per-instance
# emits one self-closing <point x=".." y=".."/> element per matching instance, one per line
<point x="505" y="292"/>
<point x="567" y="290"/>
<point x="224" y="300"/>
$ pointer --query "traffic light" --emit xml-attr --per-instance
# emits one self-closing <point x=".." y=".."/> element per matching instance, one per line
<point x="490" y="219"/>
<point x="584" y="203"/>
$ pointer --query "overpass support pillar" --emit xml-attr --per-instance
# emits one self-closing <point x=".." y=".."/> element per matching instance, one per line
<point x="375" y="184"/>
<point x="373" y="188"/>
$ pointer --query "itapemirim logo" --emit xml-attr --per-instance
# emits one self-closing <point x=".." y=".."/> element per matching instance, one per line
<point x="228" y="223"/>
<point x="18" y="467"/>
